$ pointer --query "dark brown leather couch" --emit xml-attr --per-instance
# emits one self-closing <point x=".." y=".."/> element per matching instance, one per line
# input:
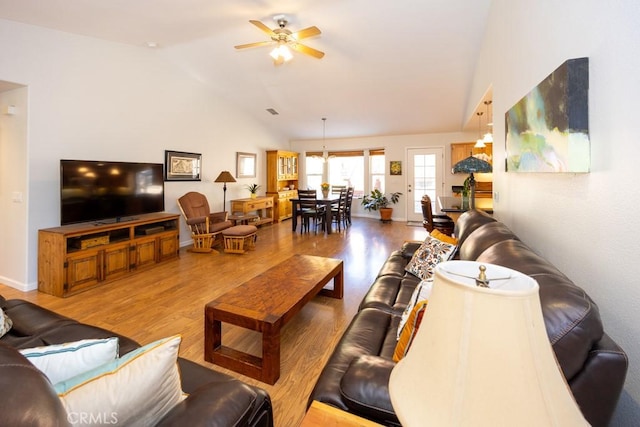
<point x="356" y="375"/>
<point x="215" y="399"/>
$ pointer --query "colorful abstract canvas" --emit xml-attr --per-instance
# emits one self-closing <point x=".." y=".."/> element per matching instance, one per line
<point x="548" y="129"/>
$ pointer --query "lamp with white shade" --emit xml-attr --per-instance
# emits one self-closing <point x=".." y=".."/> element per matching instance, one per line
<point x="481" y="356"/>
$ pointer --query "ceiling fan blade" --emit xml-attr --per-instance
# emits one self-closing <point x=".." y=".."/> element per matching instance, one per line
<point x="256" y="44"/>
<point x="263" y="27"/>
<point x="307" y="32"/>
<point x="306" y="50"/>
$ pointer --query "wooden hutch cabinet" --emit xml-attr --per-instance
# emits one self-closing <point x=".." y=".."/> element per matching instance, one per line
<point x="76" y="257"/>
<point x="282" y="181"/>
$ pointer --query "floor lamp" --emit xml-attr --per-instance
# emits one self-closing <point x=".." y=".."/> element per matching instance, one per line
<point x="224" y="177"/>
<point x="470" y="165"/>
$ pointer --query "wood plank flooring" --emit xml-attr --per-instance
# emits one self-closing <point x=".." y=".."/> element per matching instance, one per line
<point x="170" y="299"/>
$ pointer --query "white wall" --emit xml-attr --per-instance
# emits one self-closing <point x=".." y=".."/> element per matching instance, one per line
<point x="586" y="224"/>
<point x="13" y="187"/>
<point x="395" y="148"/>
<point x="91" y="99"/>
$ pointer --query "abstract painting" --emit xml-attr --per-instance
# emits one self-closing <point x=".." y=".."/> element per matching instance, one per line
<point x="548" y="129"/>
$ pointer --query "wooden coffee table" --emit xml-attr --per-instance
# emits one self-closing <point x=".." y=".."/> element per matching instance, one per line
<point x="265" y="304"/>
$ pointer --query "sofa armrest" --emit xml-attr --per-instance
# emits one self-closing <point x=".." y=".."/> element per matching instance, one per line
<point x="365" y="388"/>
<point x="28" y="399"/>
<point x="197" y="220"/>
<point x="218" y="217"/>
<point x="215" y="404"/>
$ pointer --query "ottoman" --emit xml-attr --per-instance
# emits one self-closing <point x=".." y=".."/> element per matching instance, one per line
<point x="239" y="238"/>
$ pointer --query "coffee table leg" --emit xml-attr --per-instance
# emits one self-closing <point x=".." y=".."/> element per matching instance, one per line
<point x="338" y="285"/>
<point x="212" y="334"/>
<point x="271" y="353"/>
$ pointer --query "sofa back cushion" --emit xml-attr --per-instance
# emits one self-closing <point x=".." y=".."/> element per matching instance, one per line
<point x="482" y="238"/>
<point x="571" y="318"/>
<point x="468" y="222"/>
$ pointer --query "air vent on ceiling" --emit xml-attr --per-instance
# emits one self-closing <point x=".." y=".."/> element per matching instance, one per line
<point x="272" y="111"/>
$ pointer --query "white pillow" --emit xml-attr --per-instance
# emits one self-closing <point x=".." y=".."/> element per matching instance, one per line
<point x="420" y="293"/>
<point x="5" y="323"/>
<point x="137" y="389"/>
<point x="63" y="361"/>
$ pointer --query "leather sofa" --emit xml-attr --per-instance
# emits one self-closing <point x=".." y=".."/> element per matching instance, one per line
<point x="214" y="398"/>
<point x="356" y="376"/>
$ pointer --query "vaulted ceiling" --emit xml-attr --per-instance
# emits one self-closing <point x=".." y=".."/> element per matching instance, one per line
<point x="390" y="67"/>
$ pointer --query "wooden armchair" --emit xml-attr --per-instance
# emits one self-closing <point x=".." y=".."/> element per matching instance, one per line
<point x="205" y="227"/>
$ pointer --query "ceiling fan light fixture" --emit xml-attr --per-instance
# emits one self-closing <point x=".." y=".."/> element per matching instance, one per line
<point x="281" y="53"/>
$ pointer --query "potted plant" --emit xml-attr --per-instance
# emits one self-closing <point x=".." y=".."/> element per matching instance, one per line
<point x="377" y="201"/>
<point x="253" y="189"/>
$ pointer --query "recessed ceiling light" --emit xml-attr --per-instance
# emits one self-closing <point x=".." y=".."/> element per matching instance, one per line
<point x="152" y="45"/>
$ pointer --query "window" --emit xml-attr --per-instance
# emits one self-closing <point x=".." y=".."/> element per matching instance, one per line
<point x="313" y="167"/>
<point x="376" y="169"/>
<point x="346" y="168"/>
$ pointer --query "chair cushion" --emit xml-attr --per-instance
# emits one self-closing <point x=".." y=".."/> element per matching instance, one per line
<point x="240" y="230"/>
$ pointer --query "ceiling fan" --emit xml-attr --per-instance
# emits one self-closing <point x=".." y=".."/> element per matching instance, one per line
<point x="285" y="39"/>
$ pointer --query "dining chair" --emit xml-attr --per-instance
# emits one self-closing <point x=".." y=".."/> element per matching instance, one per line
<point x="338" y="212"/>
<point x="443" y="223"/>
<point x="348" y="203"/>
<point x="336" y="189"/>
<point x="302" y="194"/>
<point x="310" y="210"/>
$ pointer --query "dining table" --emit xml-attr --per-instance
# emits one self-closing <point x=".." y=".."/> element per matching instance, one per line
<point x="322" y="201"/>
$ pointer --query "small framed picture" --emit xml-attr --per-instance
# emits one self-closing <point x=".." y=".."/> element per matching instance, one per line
<point x="246" y="165"/>
<point x="395" y="167"/>
<point x="181" y="166"/>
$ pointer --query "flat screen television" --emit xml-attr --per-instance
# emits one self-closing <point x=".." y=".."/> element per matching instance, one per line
<point x="109" y="191"/>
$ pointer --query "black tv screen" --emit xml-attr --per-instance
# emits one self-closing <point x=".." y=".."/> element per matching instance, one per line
<point x="100" y="191"/>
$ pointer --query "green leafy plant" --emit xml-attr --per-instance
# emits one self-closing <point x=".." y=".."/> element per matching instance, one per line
<point x="466" y="187"/>
<point x="253" y="188"/>
<point x="377" y="200"/>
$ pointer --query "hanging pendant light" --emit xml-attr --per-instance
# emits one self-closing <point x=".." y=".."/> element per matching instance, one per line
<point x="488" y="137"/>
<point x="325" y="154"/>
<point x="480" y="141"/>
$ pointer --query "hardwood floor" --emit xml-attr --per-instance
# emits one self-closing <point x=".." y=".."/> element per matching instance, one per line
<point x="170" y="299"/>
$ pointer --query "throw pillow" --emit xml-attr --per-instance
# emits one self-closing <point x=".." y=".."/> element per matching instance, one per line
<point x="420" y="293"/>
<point x="63" y="361"/>
<point x="429" y="254"/>
<point x="443" y="237"/>
<point x="135" y="390"/>
<point x="410" y="330"/>
<point x="5" y="323"/>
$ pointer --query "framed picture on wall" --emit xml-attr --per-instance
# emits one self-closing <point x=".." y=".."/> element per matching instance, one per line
<point x="245" y="165"/>
<point x="181" y="166"/>
<point x="395" y="167"/>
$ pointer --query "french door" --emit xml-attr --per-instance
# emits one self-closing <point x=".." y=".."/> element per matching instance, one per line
<point x="425" y="175"/>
